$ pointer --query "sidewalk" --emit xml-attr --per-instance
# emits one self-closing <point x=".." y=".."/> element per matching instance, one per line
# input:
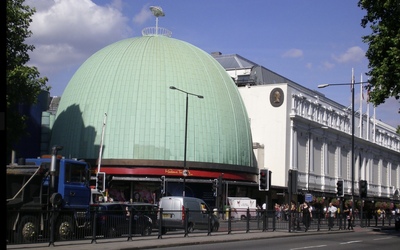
<point x="172" y="240"/>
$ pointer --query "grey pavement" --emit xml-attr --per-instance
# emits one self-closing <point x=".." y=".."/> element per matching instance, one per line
<point x="171" y="240"/>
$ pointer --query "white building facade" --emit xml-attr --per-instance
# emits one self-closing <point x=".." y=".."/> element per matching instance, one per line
<point x="297" y="128"/>
<point x="313" y="135"/>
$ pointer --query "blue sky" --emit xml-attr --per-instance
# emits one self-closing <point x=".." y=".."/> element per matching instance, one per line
<point x="308" y="41"/>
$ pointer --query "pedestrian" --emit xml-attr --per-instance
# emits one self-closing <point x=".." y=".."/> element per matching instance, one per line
<point x="259" y="212"/>
<point x="293" y="215"/>
<point x="307" y="216"/>
<point x="379" y="213"/>
<point x="331" y="214"/>
<point x="264" y="209"/>
<point x="286" y="211"/>
<point x="277" y="208"/>
<point x="349" y="217"/>
<point x="264" y="206"/>
<point x="383" y="214"/>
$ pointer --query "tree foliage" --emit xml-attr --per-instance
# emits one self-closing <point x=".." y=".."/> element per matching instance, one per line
<point x="383" y="17"/>
<point x="23" y="83"/>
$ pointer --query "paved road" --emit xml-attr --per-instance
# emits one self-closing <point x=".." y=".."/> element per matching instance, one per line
<point x="171" y="240"/>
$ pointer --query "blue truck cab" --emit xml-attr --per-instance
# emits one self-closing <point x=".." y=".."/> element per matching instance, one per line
<point x="46" y="189"/>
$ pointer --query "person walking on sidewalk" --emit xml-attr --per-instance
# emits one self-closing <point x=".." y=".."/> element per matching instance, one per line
<point x="307" y="215"/>
<point x="331" y="213"/>
<point x="349" y="217"/>
<point x="293" y="216"/>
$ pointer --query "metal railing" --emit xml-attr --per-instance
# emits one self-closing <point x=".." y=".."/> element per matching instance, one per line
<point x="96" y="225"/>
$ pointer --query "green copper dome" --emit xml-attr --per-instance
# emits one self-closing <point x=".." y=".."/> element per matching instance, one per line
<point x="130" y="81"/>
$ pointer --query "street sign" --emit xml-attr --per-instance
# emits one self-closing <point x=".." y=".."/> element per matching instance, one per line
<point x="308" y="198"/>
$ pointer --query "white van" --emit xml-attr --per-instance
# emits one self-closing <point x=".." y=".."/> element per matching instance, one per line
<point x="239" y="206"/>
<point x="174" y="212"/>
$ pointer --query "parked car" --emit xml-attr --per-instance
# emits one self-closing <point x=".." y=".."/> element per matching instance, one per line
<point x="112" y="220"/>
<point x="174" y="213"/>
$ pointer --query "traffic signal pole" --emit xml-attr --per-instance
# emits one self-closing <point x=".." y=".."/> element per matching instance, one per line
<point x="292" y="189"/>
<point x="264" y="177"/>
<point x="162" y="186"/>
<point x="363" y="194"/>
<point x="264" y="182"/>
<point x="340" y="195"/>
<point x="339" y="188"/>
<point x="101" y="181"/>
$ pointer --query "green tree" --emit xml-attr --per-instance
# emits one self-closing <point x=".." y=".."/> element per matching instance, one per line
<point x="383" y="17"/>
<point x="23" y="83"/>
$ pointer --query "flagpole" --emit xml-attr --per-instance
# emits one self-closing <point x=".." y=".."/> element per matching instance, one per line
<point x="368" y="121"/>
<point x="101" y="143"/>
<point x="361" y="107"/>
<point x="373" y="131"/>
<point x="352" y="141"/>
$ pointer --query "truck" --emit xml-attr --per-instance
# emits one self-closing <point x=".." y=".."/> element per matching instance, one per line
<point x="239" y="206"/>
<point x="46" y="195"/>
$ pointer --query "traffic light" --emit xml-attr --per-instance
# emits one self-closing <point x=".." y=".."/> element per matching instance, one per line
<point x="293" y="177"/>
<point x="263" y="184"/>
<point x="219" y="186"/>
<point x="162" y="185"/>
<point x="101" y="181"/>
<point x="339" y="188"/>
<point x="363" y="188"/>
<point x="215" y="187"/>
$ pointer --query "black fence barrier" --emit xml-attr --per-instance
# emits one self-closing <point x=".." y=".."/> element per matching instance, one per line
<point x="55" y="226"/>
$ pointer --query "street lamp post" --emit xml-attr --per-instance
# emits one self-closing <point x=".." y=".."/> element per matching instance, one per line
<point x="352" y="131"/>
<point x="185" y="171"/>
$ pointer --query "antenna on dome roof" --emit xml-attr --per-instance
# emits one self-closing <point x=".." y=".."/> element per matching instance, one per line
<point x="150" y="31"/>
<point x="157" y="12"/>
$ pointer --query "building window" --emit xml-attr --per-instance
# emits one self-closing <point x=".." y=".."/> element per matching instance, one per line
<point x="243" y="80"/>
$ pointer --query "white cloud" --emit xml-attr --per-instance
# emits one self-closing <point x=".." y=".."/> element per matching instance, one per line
<point x="293" y="53"/>
<point x="117" y="4"/>
<point x="328" y="65"/>
<point x="309" y="65"/>
<point x="353" y="54"/>
<point x="67" y="32"/>
<point x="144" y="15"/>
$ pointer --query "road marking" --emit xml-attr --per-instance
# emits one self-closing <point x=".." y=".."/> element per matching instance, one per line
<point x="308" y="247"/>
<point x="385" y="238"/>
<point x="351" y="242"/>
